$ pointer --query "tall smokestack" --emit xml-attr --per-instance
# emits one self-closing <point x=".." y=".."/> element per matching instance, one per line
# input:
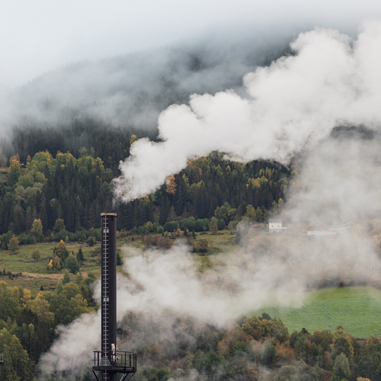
<point x="109" y="361"/>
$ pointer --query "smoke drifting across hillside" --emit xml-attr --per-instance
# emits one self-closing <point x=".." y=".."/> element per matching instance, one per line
<point x="338" y="182"/>
<point x="293" y="105"/>
<point x="290" y="105"/>
<point x="166" y="286"/>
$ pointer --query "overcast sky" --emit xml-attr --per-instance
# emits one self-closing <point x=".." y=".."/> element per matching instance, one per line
<point x="41" y="35"/>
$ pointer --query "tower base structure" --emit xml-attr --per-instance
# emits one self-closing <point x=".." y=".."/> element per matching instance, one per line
<point x="110" y="364"/>
<point x="109" y="361"/>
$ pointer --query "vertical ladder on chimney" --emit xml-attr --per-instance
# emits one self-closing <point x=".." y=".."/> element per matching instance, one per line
<point x="105" y="301"/>
<point x="108" y="361"/>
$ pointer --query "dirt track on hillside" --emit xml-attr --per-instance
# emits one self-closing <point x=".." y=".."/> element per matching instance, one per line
<point x="43" y="276"/>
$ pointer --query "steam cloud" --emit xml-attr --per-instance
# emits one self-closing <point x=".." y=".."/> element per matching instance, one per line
<point x="290" y="105"/>
<point x="165" y="285"/>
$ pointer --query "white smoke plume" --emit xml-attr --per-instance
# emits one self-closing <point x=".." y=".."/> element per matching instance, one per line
<point x="165" y="285"/>
<point x="338" y="182"/>
<point x="290" y="105"/>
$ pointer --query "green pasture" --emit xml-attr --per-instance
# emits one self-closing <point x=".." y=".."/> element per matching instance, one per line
<point x="22" y="262"/>
<point x="35" y="285"/>
<point x="356" y="309"/>
<point x="222" y="242"/>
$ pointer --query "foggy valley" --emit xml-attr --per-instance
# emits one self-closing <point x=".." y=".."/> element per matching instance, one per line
<point x="239" y="155"/>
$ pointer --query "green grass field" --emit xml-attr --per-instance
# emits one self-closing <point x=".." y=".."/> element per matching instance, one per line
<point x="356" y="309"/>
<point x="22" y="262"/>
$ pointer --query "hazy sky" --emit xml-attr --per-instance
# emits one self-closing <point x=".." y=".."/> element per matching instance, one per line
<point x="41" y="35"/>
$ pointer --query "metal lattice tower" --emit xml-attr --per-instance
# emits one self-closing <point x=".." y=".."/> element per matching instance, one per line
<point x="109" y="361"/>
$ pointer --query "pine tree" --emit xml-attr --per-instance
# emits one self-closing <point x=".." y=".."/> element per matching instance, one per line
<point x="119" y="260"/>
<point x="66" y="278"/>
<point x="80" y="256"/>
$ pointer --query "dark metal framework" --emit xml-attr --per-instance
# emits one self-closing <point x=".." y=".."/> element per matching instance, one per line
<point x="115" y="362"/>
<point x="109" y="361"/>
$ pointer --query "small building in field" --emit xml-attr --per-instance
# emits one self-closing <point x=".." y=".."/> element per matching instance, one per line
<point x="275" y="226"/>
<point x="319" y="229"/>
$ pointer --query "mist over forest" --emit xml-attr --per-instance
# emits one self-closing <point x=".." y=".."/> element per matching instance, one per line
<point x="197" y="147"/>
<point x="130" y="91"/>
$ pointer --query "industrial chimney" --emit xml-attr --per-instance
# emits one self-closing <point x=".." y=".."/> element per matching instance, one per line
<point x="109" y="361"/>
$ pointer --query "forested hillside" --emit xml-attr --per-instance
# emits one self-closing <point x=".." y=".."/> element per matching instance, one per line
<point x="39" y="187"/>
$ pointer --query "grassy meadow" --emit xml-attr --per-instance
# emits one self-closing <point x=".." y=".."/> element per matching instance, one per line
<point x="35" y="273"/>
<point x="356" y="309"/>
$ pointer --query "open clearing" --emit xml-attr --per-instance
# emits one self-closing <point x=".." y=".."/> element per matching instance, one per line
<point x="356" y="309"/>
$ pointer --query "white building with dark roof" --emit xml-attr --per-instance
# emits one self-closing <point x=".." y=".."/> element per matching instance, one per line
<point x="275" y="226"/>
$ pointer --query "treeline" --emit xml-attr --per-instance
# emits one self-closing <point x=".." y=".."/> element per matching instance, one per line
<point x="103" y="139"/>
<point x="205" y="186"/>
<point x="28" y="324"/>
<point x="77" y="190"/>
<point x="256" y="348"/>
<point x="252" y="348"/>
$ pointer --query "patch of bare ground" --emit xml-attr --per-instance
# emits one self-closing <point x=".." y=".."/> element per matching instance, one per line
<point x="47" y="276"/>
<point x="43" y="276"/>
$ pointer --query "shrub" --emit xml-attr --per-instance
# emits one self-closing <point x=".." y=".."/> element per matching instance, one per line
<point x="62" y="235"/>
<point x="60" y="250"/>
<point x="36" y="255"/>
<point x="119" y="260"/>
<point x="164" y="242"/>
<point x="81" y="236"/>
<point x="221" y="224"/>
<point x="71" y="264"/>
<point x="213" y="227"/>
<point x="202" y="245"/>
<point x="13" y="244"/>
<point x="97" y="234"/>
<point x="27" y="239"/>
<point x="150" y="240"/>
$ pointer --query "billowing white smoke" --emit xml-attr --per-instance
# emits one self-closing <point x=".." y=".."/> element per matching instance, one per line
<point x="163" y="286"/>
<point x="292" y="104"/>
<point x="338" y="183"/>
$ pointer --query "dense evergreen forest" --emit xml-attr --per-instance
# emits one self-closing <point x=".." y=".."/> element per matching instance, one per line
<point x="39" y="187"/>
